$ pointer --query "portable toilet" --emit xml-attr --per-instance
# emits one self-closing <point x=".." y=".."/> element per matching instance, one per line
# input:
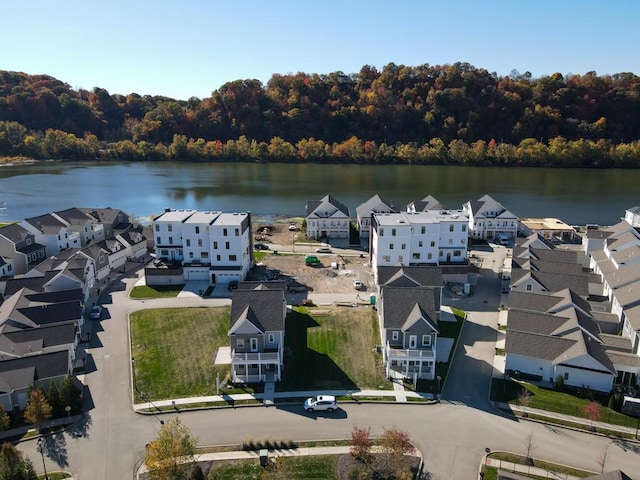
<point x="372" y="299"/>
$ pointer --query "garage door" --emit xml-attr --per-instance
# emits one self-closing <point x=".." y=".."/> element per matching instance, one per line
<point x="197" y="274"/>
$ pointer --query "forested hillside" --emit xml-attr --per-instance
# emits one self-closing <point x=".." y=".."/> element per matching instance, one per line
<point x="425" y="114"/>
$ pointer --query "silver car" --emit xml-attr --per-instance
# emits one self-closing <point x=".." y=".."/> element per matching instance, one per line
<point x="321" y="402"/>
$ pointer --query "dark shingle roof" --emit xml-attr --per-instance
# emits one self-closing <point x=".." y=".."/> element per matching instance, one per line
<point x="46" y="223"/>
<point x="553" y="282"/>
<point x="377" y="204"/>
<point x="23" y="372"/>
<point x="277" y="285"/>
<point x="73" y="216"/>
<point x="536" y="345"/>
<point x="410" y="276"/>
<point x="313" y="205"/>
<point x="399" y="303"/>
<point x="15" y="232"/>
<point x="262" y="308"/>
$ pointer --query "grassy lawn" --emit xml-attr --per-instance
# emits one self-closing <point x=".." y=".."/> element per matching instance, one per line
<point x="309" y="467"/>
<point x="258" y="255"/>
<point x="335" y="351"/>
<point x="553" y="401"/>
<point x="174" y="350"/>
<point x="552" y="467"/>
<point x="158" y="291"/>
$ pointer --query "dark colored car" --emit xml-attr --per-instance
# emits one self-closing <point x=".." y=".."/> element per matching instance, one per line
<point x="233" y="284"/>
<point x="260" y="246"/>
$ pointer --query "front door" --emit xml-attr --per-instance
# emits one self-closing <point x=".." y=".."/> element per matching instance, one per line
<point x="254" y="344"/>
<point x="413" y="341"/>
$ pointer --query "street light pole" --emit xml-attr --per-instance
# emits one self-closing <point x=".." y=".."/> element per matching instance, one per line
<point x="44" y="466"/>
<point x="439" y="378"/>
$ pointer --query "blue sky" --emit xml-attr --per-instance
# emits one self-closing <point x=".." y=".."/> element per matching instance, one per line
<point x="191" y="47"/>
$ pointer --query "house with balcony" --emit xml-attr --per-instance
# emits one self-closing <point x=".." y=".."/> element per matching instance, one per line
<point x="488" y="218"/>
<point x="6" y="267"/>
<point x="81" y="223"/>
<point x="210" y="246"/>
<point x="375" y="204"/>
<point x="20" y="246"/>
<point x="408" y="319"/>
<point x="256" y="332"/>
<point x="327" y="219"/>
<point x="426" y="238"/>
<point x="427" y="203"/>
<point x="52" y="233"/>
<point x="107" y="221"/>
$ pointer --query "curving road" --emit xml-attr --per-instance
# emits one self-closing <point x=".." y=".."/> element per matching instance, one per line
<point x="452" y="435"/>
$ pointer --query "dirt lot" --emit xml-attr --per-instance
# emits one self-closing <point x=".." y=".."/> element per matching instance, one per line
<point x="290" y="266"/>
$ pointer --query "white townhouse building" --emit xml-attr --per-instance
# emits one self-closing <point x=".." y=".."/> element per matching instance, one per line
<point x="424" y="238"/>
<point x="375" y="204"/>
<point x="52" y="233"/>
<point x="212" y="246"/>
<point x="327" y="219"/>
<point x="487" y="219"/>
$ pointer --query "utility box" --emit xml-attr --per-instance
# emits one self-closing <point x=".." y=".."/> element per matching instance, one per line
<point x="264" y="457"/>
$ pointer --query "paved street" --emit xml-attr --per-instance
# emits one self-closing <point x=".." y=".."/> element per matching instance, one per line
<point x="452" y="435"/>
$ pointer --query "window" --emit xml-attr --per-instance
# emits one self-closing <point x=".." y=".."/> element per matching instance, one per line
<point x="158" y="240"/>
<point x="403" y="246"/>
<point x="429" y="256"/>
<point x="190" y="254"/>
<point x="400" y="258"/>
<point x="188" y="242"/>
<point x="426" y="340"/>
<point x="217" y="258"/>
<point x="271" y="338"/>
<point x="386" y="258"/>
<point x="528" y="287"/>
<point x="394" y="335"/>
<point x="204" y="254"/>
<point x="416" y="256"/>
<point x="451" y="227"/>
<point x="423" y="230"/>
<point x="164" y="252"/>
<point x="197" y="229"/>
<point x="215" y="245"/>
<point x="457" y="253"/>
<point x="224" y="232"/>
<point x="199" y="242"/>
<point x="420" y="243"/>
<point x="566" y="375"/>
<point x="233" y="258"/>
<point x="240" y="342"/>
<point x="226" y="245"/>
<point x="254" y="344"/>
<point x="9" y="267"/>
<point x="464" y="228"/>
<point x="237" y="232"/>
<point x="101" y="259"/>
<point x="433" y="244"/>
<point x="440" y="253"/>
<point x="170" y="227"/>
<point x="170" y="239"/>
<point x="393" y="232"/>
<point x="451" y="241"/>
<point x="382" y="232"/>
<point x="59" y="238"/>
<point x="391" y="246"/>
<point x="157" y="228"/>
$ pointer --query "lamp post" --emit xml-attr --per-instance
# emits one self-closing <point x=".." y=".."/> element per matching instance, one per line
<point x="41" y="449"/>
<point x="438" y="378"/>
<point x="68" y="410"/>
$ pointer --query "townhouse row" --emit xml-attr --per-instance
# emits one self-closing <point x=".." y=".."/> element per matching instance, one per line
<point x="49" y="266"/>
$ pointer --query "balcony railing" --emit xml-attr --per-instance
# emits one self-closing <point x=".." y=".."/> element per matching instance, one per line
<point x="255" y="357"/>
<point x="409" y="353"/>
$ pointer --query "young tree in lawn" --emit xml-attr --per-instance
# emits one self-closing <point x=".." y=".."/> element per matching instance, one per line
<point x="593" y="412"/>
<point x="529" y="447"/>
<point x="53" y="397"/>
<point x="525" y="400"/>
<point x="361" y="443"/>
<point x="396" y="445"/>
<point x="70" y="394"/>
<point x="14" y="466"/>
<point x="38" y="409"/>
<point x="171" y="455"/>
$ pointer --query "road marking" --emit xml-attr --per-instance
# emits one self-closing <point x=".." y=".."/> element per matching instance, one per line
<point x="107" y="356"/>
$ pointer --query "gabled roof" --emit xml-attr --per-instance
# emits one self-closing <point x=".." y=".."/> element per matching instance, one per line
<point x="378" y="205"/>
<point x="107" y="215"/>
<point x="33" y="340"/>
<point x="551" y="282"/>
<point x="24" y="372"/>
<point x="487" y="204"/>
<point x="47" y="223"/>
<point x="273" y="285"/>
<point x="326" y="204"/>
<point x="132" y="237"/>
<point x="261" y="308"/>
<point x="402" y="307"/>
<point x="615" y="475"/>
<point x="15" y="233"/>
<point x="398" y="276"/>
<point x="73" y="216"/>
<point x="427" y="203"/>
<point x="554" y="255"/>
<point x="551" y="303"/>
<point x="547" y="266"/>
<point x="535" y="240"/>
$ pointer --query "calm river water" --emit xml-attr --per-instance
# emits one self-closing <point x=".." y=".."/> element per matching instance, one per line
<point x="143" y="189"/>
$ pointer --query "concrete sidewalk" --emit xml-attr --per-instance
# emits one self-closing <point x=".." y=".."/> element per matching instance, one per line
<point x="399" y="395"/>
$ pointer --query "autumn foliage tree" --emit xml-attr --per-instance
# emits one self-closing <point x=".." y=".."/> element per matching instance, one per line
<point x="593" y="412"/>
<point x="172" y="454"/>
<point x="361" y="443"/>
<point x="13" y="466"/>
<point x="38" y="409"/>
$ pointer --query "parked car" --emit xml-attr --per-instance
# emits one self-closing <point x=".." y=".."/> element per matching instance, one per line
<point x="312" y="261"/>
<point x="233" y="284"/>
<point x="321" y="403"/>
<point x="260" y="246"/>
<point x="96" y="312"/>
<point x="357" y="284"/>
<point x="323" y="249"/>
<point x="293" y="227"/>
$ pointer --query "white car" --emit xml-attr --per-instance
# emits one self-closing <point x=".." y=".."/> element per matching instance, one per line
<point x="293" y="227"/>
<point x="323" y="250"/>
<point x="321" y="403"/>
<point x="357" y="284"/>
